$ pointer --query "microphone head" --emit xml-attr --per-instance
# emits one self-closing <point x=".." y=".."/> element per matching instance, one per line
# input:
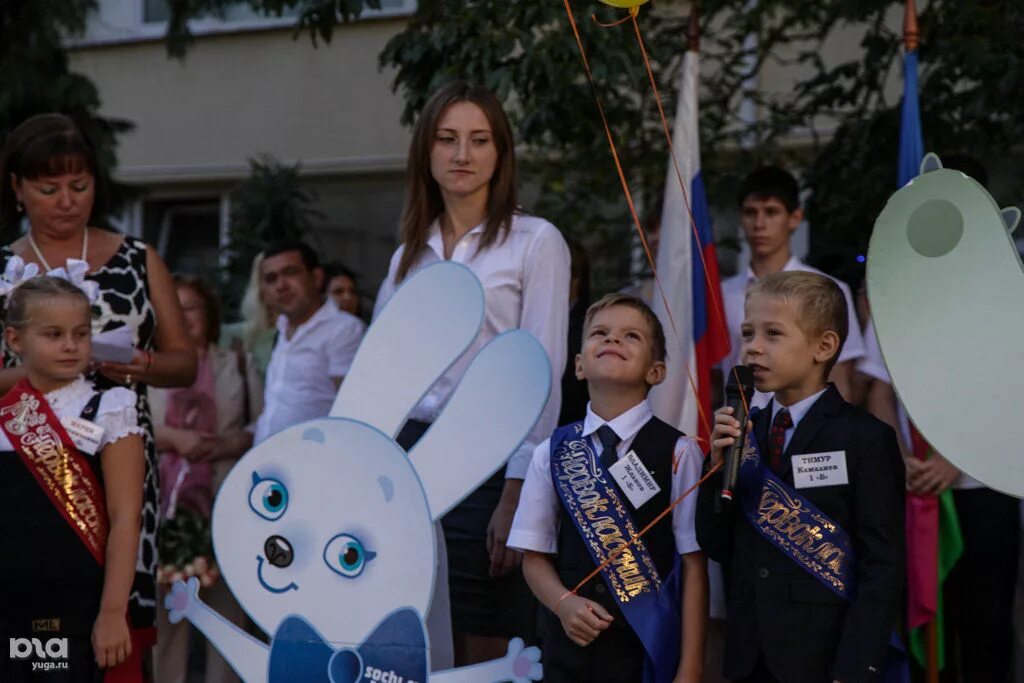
<point x="740" y="381"/>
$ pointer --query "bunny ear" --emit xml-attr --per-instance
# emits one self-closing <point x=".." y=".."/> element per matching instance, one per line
<point x="487" y="418"/>
<point x="424" y="328"/>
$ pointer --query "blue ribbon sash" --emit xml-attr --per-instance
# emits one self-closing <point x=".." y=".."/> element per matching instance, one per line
<point x="807" y="536"/>
<point x="592" y="501"/>
<point x="794" y="525"/>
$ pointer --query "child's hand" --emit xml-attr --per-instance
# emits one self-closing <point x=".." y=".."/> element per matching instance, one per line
<point x="582" y="620"/>
<point x="111" y="639"/>
<point x="725" y="433"/>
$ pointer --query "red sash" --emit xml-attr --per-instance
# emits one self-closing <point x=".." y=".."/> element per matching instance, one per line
<point x="62" y="472"/>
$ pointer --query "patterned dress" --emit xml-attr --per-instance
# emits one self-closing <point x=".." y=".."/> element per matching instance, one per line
<point x="124" y="302"/>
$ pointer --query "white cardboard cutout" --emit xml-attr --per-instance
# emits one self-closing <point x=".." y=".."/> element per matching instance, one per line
<point x="945" y="284"/>
<point x="324" y="532"/>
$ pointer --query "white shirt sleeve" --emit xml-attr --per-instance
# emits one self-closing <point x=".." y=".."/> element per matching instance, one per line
<point x="387" y="287"/>
<point x="117" y="415"/>
<point x="535" y="526"/>
<point x="853" y="348"/>
<point x="545" y="314"/>
<point x="872" y="364"/>
<point x="687" y="463"/>
<point x="342" y="346"/>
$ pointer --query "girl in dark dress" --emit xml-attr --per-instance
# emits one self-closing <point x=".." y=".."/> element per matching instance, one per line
<point x="71" y="470"/>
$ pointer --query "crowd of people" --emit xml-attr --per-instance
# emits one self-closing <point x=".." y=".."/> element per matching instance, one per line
<point x="151" y="396"/>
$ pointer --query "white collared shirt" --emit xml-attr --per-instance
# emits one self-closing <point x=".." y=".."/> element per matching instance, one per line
<point x="796" y="413"/>
<point x="526" y="286"/>
<point x="734" y="295"/>
<point x="303" y="370"/>
<point x="535" y="526"/>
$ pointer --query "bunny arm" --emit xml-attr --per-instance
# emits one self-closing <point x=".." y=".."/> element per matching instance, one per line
<point x="246" y="655"/>
<point x="520" y="665"/>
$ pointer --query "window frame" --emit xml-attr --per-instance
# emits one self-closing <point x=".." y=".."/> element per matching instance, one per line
<point x="140" y="30"/>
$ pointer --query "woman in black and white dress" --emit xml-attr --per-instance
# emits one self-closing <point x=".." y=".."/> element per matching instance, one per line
<point x="50" y="177"/>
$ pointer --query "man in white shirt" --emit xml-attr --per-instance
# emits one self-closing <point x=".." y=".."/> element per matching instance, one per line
<point x="315" y="343"/>
<point x="770" y="211"/>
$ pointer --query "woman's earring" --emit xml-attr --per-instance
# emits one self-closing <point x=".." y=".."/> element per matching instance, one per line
<point x="19" y="207"/>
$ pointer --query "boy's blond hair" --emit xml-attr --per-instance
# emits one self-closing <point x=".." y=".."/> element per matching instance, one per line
<point x="616" y="299"/>
<point x="820" y="304"/>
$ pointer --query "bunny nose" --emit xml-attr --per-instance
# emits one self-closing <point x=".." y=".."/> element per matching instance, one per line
<point x="278" y="551"/>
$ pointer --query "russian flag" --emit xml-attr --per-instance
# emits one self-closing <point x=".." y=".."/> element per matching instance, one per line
<point x="692" y="293"/>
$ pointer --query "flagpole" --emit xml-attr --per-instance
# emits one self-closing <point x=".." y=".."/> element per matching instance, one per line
<point x="910" y="43"/>
<point x="693" y="32"/>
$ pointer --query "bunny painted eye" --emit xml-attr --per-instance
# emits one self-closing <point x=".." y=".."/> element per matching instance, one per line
<point x="268" y="498"/>
<point x="346" y="555"/>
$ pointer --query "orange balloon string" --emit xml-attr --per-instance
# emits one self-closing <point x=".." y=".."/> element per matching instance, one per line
<point x="623" y="20"/>
<point x="632" y="207"/>
<point x="712" y="289"/>
<point x="618" y="551"/>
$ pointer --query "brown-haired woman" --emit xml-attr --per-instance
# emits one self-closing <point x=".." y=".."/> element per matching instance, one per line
<point x="461" y="206"/>
<point x="48" y="174"/>
<point x="200" y="433"/>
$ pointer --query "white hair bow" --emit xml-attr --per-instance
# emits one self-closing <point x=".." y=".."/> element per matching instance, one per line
<point x="17" y="272"/>
<point x="74" y="273"/>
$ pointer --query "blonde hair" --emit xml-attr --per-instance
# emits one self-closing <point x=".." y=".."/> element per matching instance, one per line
<point x="820" y="304"/>
<point x="19" y="300"/>
<point x="616" y="299"/>
<point x="256" y="314"/>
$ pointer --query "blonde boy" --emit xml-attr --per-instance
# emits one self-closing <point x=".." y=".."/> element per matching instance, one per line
<point x="813" y="549"/>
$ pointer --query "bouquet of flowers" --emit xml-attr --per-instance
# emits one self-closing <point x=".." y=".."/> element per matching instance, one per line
<point x="186" y="549"/>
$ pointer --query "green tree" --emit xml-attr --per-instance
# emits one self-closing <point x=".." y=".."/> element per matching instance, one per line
<point x="35" y="76"/>
<point x="269" y="206"/>
<point x="846" y="114"/>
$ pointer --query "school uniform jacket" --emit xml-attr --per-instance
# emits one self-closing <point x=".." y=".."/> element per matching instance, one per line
<point x="806" y="632"/>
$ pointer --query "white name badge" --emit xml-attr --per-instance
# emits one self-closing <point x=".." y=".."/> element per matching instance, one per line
<point x="634" y="479"/>
<point x="820" y="469"/>
<point x="84" y="434"/>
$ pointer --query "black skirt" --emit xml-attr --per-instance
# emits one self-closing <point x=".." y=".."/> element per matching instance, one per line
<point x="501" y="607"/>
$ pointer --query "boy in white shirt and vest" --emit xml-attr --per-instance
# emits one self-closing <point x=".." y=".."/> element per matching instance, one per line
<point x="591" y="487"/>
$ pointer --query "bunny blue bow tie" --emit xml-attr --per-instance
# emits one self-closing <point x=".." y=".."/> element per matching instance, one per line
<point x="397" y="648"/>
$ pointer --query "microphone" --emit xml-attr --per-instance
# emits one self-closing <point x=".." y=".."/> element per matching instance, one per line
<point x="739" y="391"/>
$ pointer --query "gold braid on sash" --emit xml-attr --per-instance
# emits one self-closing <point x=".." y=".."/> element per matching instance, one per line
<point x="633" y="571"/>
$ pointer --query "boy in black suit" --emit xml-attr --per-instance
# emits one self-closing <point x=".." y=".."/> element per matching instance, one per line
<point x="813" y="545"/>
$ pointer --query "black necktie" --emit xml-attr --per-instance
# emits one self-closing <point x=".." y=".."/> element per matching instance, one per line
<point x="609" y="440"/>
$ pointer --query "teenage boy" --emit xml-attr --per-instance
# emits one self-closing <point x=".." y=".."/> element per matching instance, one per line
<point x="590" y="488"/>
<point x="769" y="202"/>
<point x="813" y="545"/>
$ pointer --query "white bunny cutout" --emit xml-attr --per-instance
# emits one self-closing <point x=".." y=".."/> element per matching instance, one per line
<point x="324" y="532"/>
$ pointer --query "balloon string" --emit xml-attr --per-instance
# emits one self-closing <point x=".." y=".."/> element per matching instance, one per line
<point x="632" y="210"/>
<point x="621" y="549"/>
<point x="712" y="289"/>
<point x="623" y="20"/>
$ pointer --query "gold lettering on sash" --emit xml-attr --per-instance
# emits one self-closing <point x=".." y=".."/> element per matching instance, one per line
<point x="782" y="517"/>
<point x="61" y="475"/>
<point x="628" y="575"/>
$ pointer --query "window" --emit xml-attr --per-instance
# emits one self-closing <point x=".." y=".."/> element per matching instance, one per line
<point x="240" y="12"/>
<point x="188" y="233"/>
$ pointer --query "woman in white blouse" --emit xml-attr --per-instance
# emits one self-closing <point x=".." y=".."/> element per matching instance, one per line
<point x="461" y="206"/>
